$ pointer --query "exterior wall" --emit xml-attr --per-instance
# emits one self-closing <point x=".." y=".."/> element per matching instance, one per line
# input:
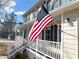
<point x="31" y="17"/>
<point x="70" y="46"/>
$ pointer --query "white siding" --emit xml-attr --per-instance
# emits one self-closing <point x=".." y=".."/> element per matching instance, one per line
<point x="70" y="37"/>
<point x="70" y="43"/>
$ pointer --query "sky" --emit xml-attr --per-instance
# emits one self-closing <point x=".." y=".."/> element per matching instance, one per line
<point x="22" y="6"/>
<point x="19" y="7"/>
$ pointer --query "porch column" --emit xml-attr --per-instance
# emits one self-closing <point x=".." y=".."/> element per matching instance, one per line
<point x="62" y="36"/>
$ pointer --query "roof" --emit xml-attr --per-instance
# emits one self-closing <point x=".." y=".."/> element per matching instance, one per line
<point x="34" y="7"/>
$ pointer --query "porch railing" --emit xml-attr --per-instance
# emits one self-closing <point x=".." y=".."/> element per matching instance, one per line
<point x="48" y="48"/>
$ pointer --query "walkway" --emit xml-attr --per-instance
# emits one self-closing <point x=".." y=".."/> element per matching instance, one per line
<point x="3" y="57"/>
<point x="3" y="47"/>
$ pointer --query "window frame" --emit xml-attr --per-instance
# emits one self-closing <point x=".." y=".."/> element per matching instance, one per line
<point x="52" y="38"/>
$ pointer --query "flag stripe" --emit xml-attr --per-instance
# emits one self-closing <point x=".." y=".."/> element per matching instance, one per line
<point x="30" y="33"/>
<point x="42" y="21"/>
<point x="41" y="30"/>
<point x="40" y="26"/>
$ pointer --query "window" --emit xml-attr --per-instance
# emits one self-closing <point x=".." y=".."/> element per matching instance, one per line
<point x="63" y="2"/>
<point x="24" y="19"/>
<point x="48" y="33"/>
<point x="52" y="33"/>
<point x="70" y="0"/>
<point x="25" y="33"/>
<point x="35" y="14"/>
<point x="28" y="17"/>
<point x="48" y="5"/>
<point x="21" y="32"/>
<point x="52" y="5"/>
<point x="56" y="3"/>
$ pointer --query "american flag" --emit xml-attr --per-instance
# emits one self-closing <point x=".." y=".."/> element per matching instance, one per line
<point x="43" y="19"/>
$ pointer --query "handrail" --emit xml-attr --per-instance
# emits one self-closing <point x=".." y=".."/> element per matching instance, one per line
<point x="16" y="51"/>
<point x="48" y="41"/>
<point x="49" y="48"/>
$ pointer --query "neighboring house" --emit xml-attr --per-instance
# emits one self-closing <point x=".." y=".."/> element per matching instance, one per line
<point x="59" y="40"/>
<point x="1" y="27"/>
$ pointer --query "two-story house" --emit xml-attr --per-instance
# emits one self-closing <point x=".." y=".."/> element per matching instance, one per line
<point x="59" y="40"/>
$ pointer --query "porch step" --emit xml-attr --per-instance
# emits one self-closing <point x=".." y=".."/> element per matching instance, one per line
<point x="3" y="51"/>
<point x="3" y="57"/>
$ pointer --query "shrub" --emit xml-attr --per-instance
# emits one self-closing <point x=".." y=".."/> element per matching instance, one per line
<point x="21" y="56"/>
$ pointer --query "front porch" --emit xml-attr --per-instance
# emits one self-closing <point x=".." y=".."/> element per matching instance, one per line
<point x="47" y="48"/>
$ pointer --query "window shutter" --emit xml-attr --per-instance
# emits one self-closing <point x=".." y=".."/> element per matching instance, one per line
<point x="25" y="32"/>
<point x="51" y="32"/>
<point x="43" y="35"/>
<point x="55" y="33"/>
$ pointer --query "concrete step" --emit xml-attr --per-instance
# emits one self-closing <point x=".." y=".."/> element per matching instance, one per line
<point x="3" y="51"/>
<point x="3" y="57"/>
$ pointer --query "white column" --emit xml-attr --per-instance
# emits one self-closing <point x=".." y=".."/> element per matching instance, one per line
<point x="36" y="47"/>
<point x="27" y="36"/>
<point x="68" y="1"/>
<point x="62" y="36"/>
<point x="77" y="31"/>
<point x="43" y="43"/>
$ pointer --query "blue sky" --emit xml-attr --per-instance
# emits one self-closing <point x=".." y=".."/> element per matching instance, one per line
<point x="23" y="5"/>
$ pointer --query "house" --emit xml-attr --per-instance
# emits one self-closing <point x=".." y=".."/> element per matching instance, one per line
<point x="59" y="40"/>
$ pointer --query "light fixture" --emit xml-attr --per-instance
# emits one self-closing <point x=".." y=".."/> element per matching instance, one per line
<point x="68" y="19"/>
<point x="70" y="22"/>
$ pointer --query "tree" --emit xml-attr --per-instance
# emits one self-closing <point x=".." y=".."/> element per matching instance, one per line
<point x="8" y="24"/>
<point x="3" y="4"/>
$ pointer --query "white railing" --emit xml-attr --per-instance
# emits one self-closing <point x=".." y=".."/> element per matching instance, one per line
<point x="31" y="44"/>
<point x="58" y="3"/>
<point x="12" y="49"/>
<point x="48" y="48"/>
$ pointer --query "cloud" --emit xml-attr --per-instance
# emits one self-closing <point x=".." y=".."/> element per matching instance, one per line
<point x="12" y="4"/>
<point x="2" y="20"/>
<point x="20" y="12"/>
<point x="9" y="8"/>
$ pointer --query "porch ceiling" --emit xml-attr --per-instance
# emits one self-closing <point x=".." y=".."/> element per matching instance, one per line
<point x="25" y="25"/>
